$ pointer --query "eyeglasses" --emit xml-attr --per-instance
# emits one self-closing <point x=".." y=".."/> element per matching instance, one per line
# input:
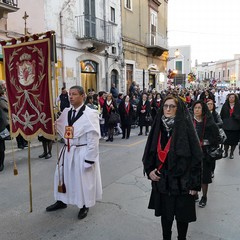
<point x="171" y="106"/>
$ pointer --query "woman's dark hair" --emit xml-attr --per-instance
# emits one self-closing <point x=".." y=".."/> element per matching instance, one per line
<point x="205" y="110"/>
<point x="214" y="106"/>
<point x="230" y="94"/>
<point x="89" y="97"/>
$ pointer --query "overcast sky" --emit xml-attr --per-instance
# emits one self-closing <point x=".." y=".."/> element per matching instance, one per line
<point x="211" y="27"/>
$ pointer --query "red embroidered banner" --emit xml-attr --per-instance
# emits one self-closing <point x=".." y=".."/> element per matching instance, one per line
<point x="28" y="80"/>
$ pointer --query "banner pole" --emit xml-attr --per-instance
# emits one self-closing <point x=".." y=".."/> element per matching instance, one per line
<point x="30" y="177"/>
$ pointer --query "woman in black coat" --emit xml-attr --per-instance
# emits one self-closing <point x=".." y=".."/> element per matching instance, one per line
<point x="208" y="135"/>
<point x="143" y="109"/>
<point x="3" y="125"/>
<point x="176" y="181"/>
<point x="125" y="110"/>
<point x="217" y="119"/>
<point x="109" y="107"/>
<point x="230" y="114"/>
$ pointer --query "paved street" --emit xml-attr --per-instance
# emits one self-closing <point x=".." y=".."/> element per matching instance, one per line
<point x="122" y="214"/>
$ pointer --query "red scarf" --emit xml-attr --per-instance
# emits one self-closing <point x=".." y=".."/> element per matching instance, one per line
<point x="108" y="108"/>
<point x="162" y="154"/>
<point x="158" y="104"/>
<point x="127" y="108"/>
<point x="231" y="110"/>
<point x="144" y="107"/>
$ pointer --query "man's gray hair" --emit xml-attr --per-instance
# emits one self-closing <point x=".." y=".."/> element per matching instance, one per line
<point x="79" y="88"/>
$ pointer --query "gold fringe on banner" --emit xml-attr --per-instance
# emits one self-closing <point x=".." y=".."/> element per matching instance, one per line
<point x="28" y="38"/>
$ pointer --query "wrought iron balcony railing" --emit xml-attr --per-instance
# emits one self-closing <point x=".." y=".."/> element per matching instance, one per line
<point x="156" y="39"/>
<point x="95" y="29"/>
<point x="13" y="3"/>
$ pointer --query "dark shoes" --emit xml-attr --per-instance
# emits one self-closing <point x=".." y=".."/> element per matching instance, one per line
<point x="60" y="205"/>
<point x="83" y="212"/>
<point x="42" y="155"/>
<point x="140" y="134"/>
<point x="203" y="202"/>
<point x="45" y="155"/>
<point x="57" y="205"/>
<point x="49" y="155"/>
<point x="1" y="167"/>
<point x="231" y="156"/>
<point x="146" y="133"/>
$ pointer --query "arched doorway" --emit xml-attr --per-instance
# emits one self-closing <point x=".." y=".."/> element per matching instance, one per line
<point x="115" y="78"/>
<point x="89" y="75"/>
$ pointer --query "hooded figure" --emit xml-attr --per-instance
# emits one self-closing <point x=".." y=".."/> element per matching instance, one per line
<point x="176" y="182"/>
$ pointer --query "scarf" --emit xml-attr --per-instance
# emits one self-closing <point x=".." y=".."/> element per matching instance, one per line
<point x="168" y="123"/>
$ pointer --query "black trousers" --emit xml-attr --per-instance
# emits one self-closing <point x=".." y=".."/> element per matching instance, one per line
<point x="126" y="128"/>
<point x="141" y="129"/>
<point x="182" y="228"/>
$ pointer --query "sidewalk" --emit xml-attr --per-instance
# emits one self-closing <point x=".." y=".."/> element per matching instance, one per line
<point x="13" y="145"/>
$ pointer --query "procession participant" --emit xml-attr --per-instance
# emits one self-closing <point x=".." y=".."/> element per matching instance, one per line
<point x="63" y="98"/>
<point x="172" y="161"/>
<point x="230" y="114"/>
<point x="208" y="135"/>
<point x="125" y="110"/>
<point x="77" y="176"/>
<point x="143" y="109"/>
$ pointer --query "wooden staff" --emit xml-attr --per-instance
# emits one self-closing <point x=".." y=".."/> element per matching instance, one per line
<point x="30" y="176"/>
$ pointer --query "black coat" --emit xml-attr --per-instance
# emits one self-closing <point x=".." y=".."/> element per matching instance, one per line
<point x="106" y="113"/>
<point x="184" y="159"/>
<point x="230" y="123"/>
<point x="217" y="119"/>
<point x="126" y="118"/>
<point x="142" y="116"/>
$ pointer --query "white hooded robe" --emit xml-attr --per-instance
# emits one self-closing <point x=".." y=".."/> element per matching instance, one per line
<point x="83" y="185"/>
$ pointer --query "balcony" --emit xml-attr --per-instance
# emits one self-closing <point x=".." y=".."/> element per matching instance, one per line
<point x="156" y="43"/>
<point x="8" y="5"/>
<point x="95" y="34"/>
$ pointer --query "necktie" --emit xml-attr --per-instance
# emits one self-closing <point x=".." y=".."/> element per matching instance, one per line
<point x="73" y="116"/>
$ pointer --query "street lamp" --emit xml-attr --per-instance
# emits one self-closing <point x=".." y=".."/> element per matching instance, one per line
<point x="176" y="55"/>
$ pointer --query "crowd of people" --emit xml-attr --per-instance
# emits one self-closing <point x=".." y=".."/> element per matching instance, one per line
<point x="183" y="128"/>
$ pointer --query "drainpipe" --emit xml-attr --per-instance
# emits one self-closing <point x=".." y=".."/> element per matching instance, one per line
<point x="106" y="51"/>
<point x="61" y="41"/>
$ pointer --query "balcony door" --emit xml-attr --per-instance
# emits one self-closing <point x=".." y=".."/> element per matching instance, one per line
<point x="153" y="27"/>
<point x="90" y="18"/>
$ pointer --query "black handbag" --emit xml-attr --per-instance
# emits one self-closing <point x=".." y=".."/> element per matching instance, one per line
<point x="114" y="118"/>
<point x="148" y="118"/>
<point x="215" y="152"/>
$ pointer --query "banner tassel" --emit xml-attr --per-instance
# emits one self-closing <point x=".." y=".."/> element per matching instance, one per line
<point x="15" y="170"/>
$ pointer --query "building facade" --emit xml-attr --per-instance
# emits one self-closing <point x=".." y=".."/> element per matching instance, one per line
<point x="89" y="45"/>
<point x="144" y="34"/>
<point x="181" y="63"/>
<point x="99" y="42"/>
<point x="223" y="73"/>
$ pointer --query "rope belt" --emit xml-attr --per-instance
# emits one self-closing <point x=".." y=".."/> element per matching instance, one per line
<point x="61" y="184"/>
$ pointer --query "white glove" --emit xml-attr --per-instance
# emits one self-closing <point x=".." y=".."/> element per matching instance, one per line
<point x="87" y="165"/>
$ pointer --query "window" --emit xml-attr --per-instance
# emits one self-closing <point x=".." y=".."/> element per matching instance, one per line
<point x="114" y="50"/>
<point x="153" y="27"/>
<point x="228" y="74"/>
<point x="112" y="14"/>
<point x="179" y="67"/>
<point x="128" y="4"/>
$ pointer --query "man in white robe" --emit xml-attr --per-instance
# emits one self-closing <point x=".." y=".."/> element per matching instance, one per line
<point x="77" y="176"/>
